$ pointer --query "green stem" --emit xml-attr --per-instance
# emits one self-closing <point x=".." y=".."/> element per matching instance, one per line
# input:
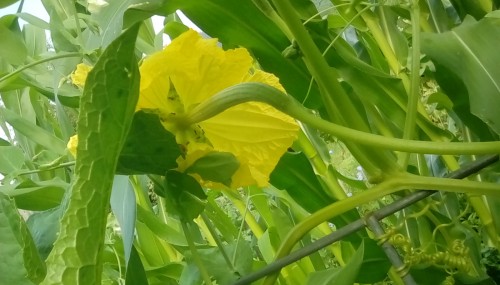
<point x="372" y="23"/>
<point x="268" y="10"/>
<point x="414" y="94"/>
<point x="397" y="183"/>
<point x="334" y="188"/>
<point x="194" y="252"/>
<point x="65" y="164"/>
<point x="335" y="99"/>
<point x="218" y="241"/>
<point x="21" y="69"/>
<point x="246" y="92"/>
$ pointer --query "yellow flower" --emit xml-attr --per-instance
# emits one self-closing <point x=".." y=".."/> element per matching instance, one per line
<point x="192" y="69"/>
<point x="79" y="76"/>
<point x="72" y="144"/>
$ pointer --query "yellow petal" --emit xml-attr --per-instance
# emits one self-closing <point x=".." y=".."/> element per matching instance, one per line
<point x="72" y="144"/>
<point x="198" y="68"/>
<point x="79" y="76"/>
<point x="195" y="69"/>
<point x="257" y="134"/>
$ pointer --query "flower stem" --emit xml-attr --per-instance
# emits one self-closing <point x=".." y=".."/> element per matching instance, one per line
<point x="246" y="92"/>
<point x="414" y="94"/>
<point x="21" y="69"/>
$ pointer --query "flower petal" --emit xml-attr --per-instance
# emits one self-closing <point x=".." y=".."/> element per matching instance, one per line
<point x="200" y="68"/>
<point x="257" y="134"/>
<point x="79" y="76"/>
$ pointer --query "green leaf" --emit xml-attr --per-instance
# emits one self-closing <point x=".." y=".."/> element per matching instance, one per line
<point x="470" y="51"/>
<point x="123" y="206"/>
<point x="149" y="148"/>
<point x="339" y="276"/>
<point x="216" y="265"/>
<point x="6" y="3"/>
<point x="38" y="195"/>
<point x="135" y="270"/>
<point x="388" y="21"/>
<point x="375" y="264"/>
<point x="216" y="167"/>
<point x="294" y="174"/>
<point x="160" y="229"/>
<point x="11" y="159"/>
<point x="34" y="132"/>
<point x="183" y="195"/>
<point x="12" y="48"/>
<point x="106" y="111"/>
<point x="22" y="264"/>
<point x="44" y="227"/>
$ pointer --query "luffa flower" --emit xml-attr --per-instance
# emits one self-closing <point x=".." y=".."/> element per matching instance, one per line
<point x="192" y="69"/>
<point x="79" y="76"/>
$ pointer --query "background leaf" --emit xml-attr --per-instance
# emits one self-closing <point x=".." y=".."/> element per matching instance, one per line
<point x="470" y="51"/>
<point x="21" y="263"/>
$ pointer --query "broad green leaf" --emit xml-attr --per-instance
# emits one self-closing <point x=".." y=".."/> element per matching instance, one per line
<point x="375" y="264"/>
<point x="12" y="48"/>
<point x="216" y="167"/>
<point x="470" y="51"/>
<point x="106" y="111"/>
<point x="123" y="206"/>
<point x="34" y="132"/>
<point x="149" y="148"/>
<point x="38" y="195"/>
<point x="22" y="264"/>
<point x="11" y="159"/>
<point x="295" y="175"/>
<point x="135" y="270"/>
<point x="183" y="195"/>
<point x="44" y="227"/>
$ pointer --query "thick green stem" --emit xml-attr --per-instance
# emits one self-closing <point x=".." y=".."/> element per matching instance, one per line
<point x="334" y="188"/>
<point x="414" y="94"/>
<point x="397" y="183"/>
<point x="335" y="99"/>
